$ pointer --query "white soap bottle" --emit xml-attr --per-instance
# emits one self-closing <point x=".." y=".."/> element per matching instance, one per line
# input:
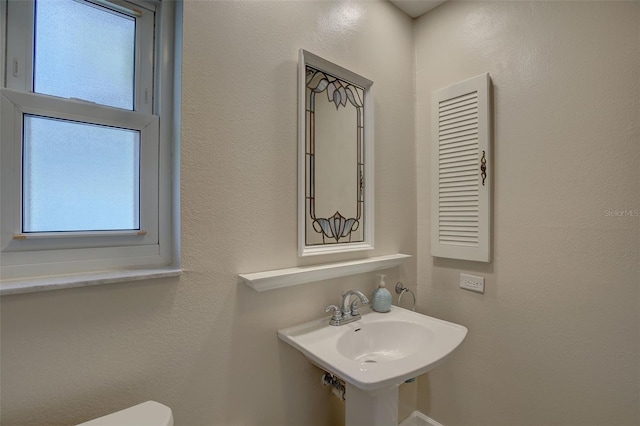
<point x="381" y="297"/>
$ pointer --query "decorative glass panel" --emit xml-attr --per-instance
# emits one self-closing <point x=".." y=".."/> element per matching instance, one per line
<point x="84" y="51"/>
<point x="79" y="176"/>
<point x="334" y="150"/>
<point x="335" y="158"/>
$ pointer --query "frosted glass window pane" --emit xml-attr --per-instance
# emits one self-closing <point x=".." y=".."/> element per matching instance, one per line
<point x="84" y="51"/>
<point x="79" y="177"/>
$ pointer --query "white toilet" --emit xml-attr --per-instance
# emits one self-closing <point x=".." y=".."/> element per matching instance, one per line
<point x="148" y="413"/>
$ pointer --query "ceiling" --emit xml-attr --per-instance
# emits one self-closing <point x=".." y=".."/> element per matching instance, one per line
<point x="415" y="8"/>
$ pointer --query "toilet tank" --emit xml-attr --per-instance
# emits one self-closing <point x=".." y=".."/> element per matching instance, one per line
<point x="148" y="413"/>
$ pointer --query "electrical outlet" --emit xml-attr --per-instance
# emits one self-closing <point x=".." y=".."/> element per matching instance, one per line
<point x="472" y="282"/>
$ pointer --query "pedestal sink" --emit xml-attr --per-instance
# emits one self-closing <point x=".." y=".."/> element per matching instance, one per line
<point x="375" y="355"/>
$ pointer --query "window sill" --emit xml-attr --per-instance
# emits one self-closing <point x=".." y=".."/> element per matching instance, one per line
<point x="84" y="280"/>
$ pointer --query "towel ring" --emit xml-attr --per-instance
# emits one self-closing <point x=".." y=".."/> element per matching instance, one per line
<point x="401" y="290"/>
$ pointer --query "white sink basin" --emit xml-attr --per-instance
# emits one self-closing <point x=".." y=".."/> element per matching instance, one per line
<point x="379" y="350"/>
<point x="382" y="341"/>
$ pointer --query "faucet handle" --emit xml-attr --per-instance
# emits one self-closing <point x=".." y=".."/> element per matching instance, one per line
<point x="337" y="315"/>
<point x="354" y="308"/>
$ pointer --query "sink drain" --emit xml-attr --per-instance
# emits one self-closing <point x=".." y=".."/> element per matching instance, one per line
<point x="370" y="361"/>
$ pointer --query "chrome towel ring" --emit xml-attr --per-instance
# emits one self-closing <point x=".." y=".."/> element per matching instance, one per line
<point x="401" y="290"/>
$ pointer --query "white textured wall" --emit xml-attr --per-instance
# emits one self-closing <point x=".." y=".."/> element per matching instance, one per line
<point x="555" y="339"/>
<point x="203" y="344"/>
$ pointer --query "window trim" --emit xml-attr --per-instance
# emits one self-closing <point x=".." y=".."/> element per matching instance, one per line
<point x="36" y="270"/>
<point x="14" y="106"/>
<point x="20" y="35"/>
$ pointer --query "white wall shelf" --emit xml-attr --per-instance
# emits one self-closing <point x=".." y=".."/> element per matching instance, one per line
<point x="269" y="280"/>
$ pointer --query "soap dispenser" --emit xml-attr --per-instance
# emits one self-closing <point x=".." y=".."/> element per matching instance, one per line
<point x="381" y="297"/>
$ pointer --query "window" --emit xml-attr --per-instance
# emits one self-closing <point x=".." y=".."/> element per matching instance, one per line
<point x="87" y="115"/>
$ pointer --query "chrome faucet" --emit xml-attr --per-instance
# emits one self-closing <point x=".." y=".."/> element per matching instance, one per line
<point x="349" y="312"/>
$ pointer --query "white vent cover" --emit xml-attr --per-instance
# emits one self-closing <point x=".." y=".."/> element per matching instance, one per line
<point x="460" y="176"/>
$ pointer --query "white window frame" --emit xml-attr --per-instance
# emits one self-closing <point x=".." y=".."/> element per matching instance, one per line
<point x="39" y="257"/>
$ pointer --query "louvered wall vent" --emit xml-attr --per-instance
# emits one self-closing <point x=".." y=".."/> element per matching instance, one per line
<point x="461" y="188"/>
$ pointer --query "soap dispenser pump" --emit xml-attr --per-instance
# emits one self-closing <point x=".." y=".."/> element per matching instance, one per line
<point x="381" y="297"/>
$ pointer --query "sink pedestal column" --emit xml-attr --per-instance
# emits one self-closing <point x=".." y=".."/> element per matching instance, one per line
<point x="371" y="408"/>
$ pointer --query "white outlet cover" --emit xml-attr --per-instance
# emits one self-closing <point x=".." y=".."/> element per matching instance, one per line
<point x="472" y="282"/>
